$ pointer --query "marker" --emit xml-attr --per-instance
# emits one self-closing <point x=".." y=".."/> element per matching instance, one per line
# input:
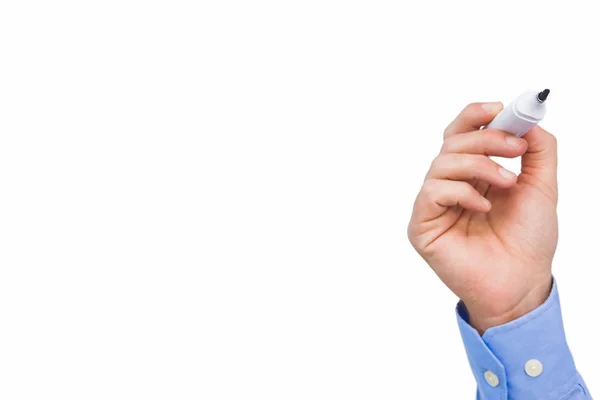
<point x="525" y="112"/>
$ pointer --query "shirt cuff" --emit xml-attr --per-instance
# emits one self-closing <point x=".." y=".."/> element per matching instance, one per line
<point x="507" y="359"/>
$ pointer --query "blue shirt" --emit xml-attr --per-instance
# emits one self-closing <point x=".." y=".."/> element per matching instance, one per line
<point x="507" y="359"/>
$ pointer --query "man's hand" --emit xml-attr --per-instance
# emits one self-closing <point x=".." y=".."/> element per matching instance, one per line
<point x="489" y="235"/>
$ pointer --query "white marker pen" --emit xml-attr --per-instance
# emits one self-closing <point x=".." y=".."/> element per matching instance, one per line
<point x="525" y="112"/>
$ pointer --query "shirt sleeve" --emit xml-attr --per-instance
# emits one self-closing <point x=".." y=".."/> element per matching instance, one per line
<point x="525" y="359"/>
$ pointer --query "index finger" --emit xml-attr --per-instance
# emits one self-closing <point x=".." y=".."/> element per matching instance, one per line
<point x="473" y="117"/>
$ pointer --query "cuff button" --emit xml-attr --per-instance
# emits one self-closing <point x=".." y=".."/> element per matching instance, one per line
<point x="533" y="368"/>
<point x="491" y="378"/>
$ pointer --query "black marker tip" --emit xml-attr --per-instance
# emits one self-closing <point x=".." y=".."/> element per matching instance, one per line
<point x="543" y="95"/>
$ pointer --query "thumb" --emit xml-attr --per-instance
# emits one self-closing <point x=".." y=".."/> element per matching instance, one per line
<point x="540" y="160"/>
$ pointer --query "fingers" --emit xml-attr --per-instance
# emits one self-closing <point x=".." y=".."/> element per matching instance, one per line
<point x="473" y="117"/>
<point x="490" y="142"/>
<point x="540" y="159"/>
<point x="437" y="195"/>
<point x="463" y="167"/>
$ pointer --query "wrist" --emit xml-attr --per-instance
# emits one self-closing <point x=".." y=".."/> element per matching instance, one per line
<point x="482" y="319"/>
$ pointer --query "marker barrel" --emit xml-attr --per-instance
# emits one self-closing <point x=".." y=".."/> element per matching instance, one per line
<point x="521" y="115"/>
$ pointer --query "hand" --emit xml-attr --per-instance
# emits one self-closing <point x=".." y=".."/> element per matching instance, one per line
<point x="489" y="235"/>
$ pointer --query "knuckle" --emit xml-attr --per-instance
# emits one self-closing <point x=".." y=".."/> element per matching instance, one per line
<point x="428" y="189"/>
<point x="474" y="164"/>
<point x="418" y="241"/>
<point x="437" y="162"/>
<point x="467" y="162"/>
<point x="448" y="146"/>
<point x="448" y="131"/>
<point x="471" y="107"/>
<point x="410" y="233"/>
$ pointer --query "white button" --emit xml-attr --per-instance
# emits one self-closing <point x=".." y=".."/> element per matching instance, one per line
<point x="533" y="368"/>
<point x="491" y="378"/>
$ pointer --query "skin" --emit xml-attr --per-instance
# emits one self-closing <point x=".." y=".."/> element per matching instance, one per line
<point x="489" y="235"/>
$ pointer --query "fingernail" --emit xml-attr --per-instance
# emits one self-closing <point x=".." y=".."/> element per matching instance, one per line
<point x="492" y="107"/>
<point x="506" y="174"/>
<point x="513" y="141"/>
<point x="486" y="203"/>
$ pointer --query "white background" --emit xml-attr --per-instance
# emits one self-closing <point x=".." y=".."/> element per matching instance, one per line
<point x="209" y="200"/>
